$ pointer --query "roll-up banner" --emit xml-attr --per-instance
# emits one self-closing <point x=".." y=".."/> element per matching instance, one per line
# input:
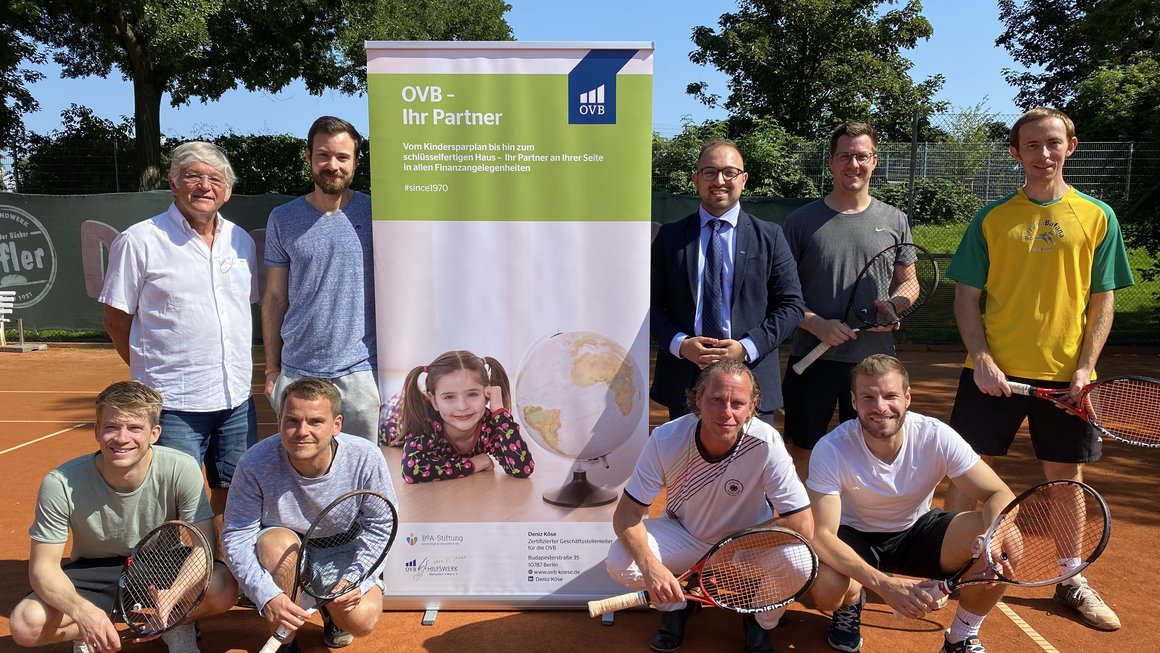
<point x="511" y="202"/>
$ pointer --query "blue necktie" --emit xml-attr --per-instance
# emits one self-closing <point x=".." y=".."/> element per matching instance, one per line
<point x="712" y="293"/>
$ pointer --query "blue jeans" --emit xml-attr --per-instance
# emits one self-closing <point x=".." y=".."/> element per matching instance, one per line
<point x="218" y="437"/>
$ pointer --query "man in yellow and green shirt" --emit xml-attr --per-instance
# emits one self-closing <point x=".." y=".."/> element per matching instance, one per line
<point x="1046" y="262"/>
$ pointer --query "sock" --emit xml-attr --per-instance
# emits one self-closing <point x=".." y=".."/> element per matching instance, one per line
<point x="1075" y="581"/>
<point x="182" y="639"/>
<point x="1068" y="565"/>
<point x="966" y="624"/>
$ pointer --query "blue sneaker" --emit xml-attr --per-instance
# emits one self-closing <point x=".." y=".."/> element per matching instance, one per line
<point x="845" y="631"/>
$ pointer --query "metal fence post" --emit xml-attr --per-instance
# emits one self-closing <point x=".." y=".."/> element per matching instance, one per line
<point x="913" y="165"/>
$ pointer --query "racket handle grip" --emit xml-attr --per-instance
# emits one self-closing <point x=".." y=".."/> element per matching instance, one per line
<point x="280" y="635"/>
<point x="632" y="600"/>
<point x="1021" y="389"/>
<point x="809" y="358"/>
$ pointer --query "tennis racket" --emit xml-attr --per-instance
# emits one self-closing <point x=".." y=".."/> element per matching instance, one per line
<point x="753" y="570"/>
<point x="344" y="546"/>
<point x="1125" y="408"/>
<point x="894" y="284"/>
<point x="163" y="581"/>
<point x="1044" y="536"/>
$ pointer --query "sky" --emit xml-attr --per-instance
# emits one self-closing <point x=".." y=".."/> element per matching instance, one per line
<point x="962" y="49"/>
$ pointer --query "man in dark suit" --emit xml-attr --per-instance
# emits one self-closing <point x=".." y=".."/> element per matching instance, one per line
<point x="755" y="303"/>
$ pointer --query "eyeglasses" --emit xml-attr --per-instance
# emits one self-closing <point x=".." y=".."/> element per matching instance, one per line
<point x="861" y="157"/>
<point x="194" y="179"/>
<point x="709" y="173"/>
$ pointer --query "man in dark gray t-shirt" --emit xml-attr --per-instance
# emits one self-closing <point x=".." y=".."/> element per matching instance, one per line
<point x="832" y="239"/>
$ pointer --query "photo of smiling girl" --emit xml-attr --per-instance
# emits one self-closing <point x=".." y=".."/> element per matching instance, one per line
<point x="458" y="423"/>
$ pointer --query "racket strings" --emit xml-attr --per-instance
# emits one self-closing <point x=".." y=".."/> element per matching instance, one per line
<point x="345" y="544"/>
<point x="893" y="285"/>
<point x="758" y="572"/>
<point x="1056" y="524"/>
<point x="165" y="579"/>
<point x="1128" y="408"/>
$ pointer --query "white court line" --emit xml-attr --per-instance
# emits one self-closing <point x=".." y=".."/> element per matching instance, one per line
<point x="1027" y="630"/>
<point x="45" y="437"/>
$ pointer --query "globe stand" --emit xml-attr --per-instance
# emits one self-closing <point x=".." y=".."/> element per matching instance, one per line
<point x="579" y="493"/>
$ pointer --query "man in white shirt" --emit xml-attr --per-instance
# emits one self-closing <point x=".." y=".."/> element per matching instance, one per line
<point x="871" y="483"/>
<point x="721" y="471"/>
<point x="177" y="298"/>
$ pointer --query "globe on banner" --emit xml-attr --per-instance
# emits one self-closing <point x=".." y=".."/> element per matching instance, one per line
<point x="579" y="395"/>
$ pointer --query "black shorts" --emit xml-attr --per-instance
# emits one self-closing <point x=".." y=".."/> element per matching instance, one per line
<point x="96" y="579"/>
<point x="810" y="398"/>
<point x="989" y="423"/>
<point x="913" y="552"/>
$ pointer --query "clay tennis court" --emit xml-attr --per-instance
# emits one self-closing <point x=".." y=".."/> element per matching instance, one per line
<point x="45" y="419"/>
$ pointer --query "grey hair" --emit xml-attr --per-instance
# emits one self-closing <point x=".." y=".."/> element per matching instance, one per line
<point x="187" y="154"/>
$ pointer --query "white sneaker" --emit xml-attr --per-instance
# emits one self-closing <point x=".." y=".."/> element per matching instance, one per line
<point x="182" y="639"/>
<point x="1088" y="605"/>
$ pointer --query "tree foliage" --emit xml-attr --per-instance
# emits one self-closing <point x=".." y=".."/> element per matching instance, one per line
<point x="15" y="52"/>
<point x="1063" y="42"/>
<point x="90" y="154"/>
<point x="203" y="48"/>
<point x="809" y="64"/>
<point x="772" y="159"/>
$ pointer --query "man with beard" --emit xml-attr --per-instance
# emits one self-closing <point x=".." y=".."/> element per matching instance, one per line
<point x="871" y="483"/>
<point x="318" y="312"/>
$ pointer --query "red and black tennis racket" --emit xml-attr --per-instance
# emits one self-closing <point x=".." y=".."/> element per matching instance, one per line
<point x="894" y="284"/>
<point x="1044" y="536"/>
<point x="1125" y="408"/>
<point x="754" y="570"/>
<point x="163" y="581"/>
<point x="344" y="546"/>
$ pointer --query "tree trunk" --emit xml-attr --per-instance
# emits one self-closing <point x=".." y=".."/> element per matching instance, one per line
<point x="147" y="119"/>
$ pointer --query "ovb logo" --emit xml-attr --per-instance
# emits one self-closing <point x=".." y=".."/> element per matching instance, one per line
<point x="592" y="87"/>
<point x="411" y="565"/>
<point x="27" y="257"/>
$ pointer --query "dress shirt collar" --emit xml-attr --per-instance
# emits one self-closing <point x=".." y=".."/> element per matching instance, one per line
<point x="729" y="216"/>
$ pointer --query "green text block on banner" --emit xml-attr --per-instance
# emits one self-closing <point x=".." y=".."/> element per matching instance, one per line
<point x="537" y="145"/>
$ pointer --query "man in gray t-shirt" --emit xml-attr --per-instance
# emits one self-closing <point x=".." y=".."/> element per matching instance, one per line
<point x="832" y="239"/>
<point x="318" y="311"/>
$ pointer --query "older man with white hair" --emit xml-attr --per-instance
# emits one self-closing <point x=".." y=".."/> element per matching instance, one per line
<point x="177" y="298"/>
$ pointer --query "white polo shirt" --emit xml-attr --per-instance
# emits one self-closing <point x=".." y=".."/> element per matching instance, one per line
<point x="192" y="332"/>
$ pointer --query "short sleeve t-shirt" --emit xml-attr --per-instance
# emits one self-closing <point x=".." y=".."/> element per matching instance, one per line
<point x="881" y="497"/>
<point x="831" y="248"/>
<point x="1038" y="264"/>
<point x="107" y="523"/>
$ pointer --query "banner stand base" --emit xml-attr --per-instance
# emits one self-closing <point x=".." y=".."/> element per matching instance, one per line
<point x="429" y="616"/>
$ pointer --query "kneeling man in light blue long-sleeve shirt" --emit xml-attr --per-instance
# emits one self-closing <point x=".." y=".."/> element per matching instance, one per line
<point x="280" y="486"/>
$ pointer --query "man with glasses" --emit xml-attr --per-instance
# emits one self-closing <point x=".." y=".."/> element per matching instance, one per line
<point x="832" y="239"/>
<point x="177" y="298"/>
<point x="724" y="287"/>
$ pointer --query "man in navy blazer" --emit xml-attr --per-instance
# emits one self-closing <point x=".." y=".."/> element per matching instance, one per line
<point x="760" y="279"/>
